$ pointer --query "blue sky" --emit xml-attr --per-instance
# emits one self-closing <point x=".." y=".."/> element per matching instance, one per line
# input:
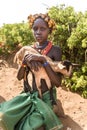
<point x="12" y="11"/>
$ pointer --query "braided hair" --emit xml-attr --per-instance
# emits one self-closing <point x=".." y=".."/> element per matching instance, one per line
<point x="50" y="22"/>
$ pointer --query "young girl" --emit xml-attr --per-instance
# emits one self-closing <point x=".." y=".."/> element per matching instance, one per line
<point x="29" y="111"/>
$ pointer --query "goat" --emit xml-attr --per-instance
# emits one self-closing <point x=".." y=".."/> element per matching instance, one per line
<point x="57" y="66"/>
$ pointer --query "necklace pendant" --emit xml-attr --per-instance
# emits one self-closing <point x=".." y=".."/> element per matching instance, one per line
<point x="39" y="50"/>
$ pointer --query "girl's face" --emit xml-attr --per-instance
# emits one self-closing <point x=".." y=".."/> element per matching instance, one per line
<point x="40" y="30"/>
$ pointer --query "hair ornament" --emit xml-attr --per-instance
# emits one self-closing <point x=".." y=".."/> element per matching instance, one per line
<point x="45" y="17"/>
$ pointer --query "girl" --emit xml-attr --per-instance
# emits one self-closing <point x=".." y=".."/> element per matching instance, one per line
<point x="29" y="111"/>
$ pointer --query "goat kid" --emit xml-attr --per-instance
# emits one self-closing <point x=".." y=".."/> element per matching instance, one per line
<point x="57" y="66"/>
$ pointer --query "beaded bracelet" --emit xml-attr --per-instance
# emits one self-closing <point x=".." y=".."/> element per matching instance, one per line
<point x="45" y="64"/>
<point x="23" y="65"/>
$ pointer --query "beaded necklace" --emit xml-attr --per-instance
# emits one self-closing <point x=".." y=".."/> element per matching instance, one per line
<point x="45" y="50"/>
<point x="41" y="47"/>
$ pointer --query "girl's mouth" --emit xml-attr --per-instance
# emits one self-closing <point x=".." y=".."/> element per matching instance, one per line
<point x="39" y="38"/>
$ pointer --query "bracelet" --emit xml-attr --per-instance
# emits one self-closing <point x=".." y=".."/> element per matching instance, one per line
<point x="23" y="65"/>
<point x="45" y="64"/>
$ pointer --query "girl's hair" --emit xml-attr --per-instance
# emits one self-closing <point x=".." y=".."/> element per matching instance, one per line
<point x="50" y="22"/>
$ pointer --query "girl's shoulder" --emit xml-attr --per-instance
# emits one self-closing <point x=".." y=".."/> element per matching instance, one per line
<point x="55" y="53"/>
<point x="56" y="48"/>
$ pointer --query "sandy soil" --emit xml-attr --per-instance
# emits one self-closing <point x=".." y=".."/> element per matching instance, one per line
<point x="72" y="107"/>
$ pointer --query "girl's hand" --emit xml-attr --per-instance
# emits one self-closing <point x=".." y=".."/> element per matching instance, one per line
<point x="34" y="61"/>
<point x="35" y="57"/>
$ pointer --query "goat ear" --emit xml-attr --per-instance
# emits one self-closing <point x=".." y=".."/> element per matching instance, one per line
<point x="15" y="58"/>
<point x="61" y="66"/>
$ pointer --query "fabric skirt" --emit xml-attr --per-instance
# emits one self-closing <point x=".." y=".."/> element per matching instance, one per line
<point x="27" y="112"/>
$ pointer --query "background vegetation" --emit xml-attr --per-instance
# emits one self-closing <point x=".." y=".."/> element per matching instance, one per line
<point x="70" y="35"/>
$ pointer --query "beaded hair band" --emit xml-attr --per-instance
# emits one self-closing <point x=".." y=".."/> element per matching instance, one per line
<point x="50" y="22"/>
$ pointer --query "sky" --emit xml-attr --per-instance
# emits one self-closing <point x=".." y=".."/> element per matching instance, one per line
<point x="16" y="11"/>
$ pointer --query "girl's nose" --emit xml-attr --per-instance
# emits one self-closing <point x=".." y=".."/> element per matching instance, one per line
<point x="38" y="31"/>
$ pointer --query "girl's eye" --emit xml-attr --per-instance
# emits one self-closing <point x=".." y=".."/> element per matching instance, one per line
<point x="35" y="28"/>
<point x="40" y="29"/>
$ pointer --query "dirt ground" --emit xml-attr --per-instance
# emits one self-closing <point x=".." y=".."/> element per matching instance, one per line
<point x="72" y="107"/>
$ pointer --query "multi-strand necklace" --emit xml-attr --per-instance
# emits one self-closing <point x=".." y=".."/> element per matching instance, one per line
<point x="43" y="49"/>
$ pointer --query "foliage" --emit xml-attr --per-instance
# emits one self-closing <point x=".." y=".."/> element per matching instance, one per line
<point x="13" y="34"/>
<point x="66" y="21"/>
<point x="78" y="40"/>
<point x="71" y="36"/>
<point x="78" y="82"/>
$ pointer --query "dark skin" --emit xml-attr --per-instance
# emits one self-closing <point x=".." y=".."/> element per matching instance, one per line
<point x="41" y="32"/>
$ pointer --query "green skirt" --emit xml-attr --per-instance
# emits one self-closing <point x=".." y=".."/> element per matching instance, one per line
<point x="27" y="112"/>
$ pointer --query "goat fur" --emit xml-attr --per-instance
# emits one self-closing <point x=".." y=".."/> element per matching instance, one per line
<point x="57" y="66"/>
